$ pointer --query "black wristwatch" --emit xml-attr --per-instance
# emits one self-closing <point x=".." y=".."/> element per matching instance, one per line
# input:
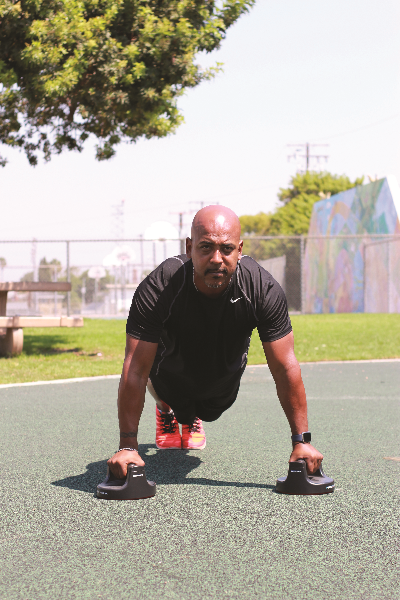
<point x="303" y="438"/>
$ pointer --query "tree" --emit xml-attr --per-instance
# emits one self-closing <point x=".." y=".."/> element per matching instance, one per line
<point x="77" y="283"/>
<point x="293" y="216"/>
<point x="28" y="277"/>
<point x="258" y="224"/>
<point x="112" y="69"/>
<point x="48" y="271"/>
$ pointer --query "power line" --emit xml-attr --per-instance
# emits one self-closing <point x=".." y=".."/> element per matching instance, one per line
<point x="201" y="202"/>
<point x="151" y="208"/>
<point x="335" y="135"/>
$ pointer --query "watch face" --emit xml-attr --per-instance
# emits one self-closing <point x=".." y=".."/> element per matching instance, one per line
<point x="307" y="437"/>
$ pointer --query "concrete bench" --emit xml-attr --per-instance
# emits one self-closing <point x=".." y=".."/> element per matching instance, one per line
<point x="12" y="328"/>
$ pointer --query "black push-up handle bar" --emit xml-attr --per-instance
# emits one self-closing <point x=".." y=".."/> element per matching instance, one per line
<point x="134" y="487"/>
<point x="299" y="483"/>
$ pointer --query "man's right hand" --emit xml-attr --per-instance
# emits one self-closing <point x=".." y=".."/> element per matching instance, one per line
<point x="308" y="453"/>
<point x="119" y="462"/>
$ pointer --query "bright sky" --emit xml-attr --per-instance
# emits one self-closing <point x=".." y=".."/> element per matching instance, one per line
<point x="294" y="71"/>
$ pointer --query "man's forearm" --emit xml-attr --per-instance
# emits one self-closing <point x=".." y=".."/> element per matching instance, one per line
<point x="292" y="396"/>
<point x="287" y="375"/>
<point x="131" y="395"/>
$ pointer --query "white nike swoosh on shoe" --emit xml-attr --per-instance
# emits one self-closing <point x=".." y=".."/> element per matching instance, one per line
<point x="233" y="301"/>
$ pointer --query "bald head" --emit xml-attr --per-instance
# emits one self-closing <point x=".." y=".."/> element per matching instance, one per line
<point x="215" y="248"/>
<point x="215" y="218"/>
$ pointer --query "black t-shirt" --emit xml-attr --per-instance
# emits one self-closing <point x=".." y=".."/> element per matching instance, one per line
<point x="203" y="342"/>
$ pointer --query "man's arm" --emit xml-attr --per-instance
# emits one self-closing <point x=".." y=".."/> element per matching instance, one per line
<point x="291" y="393"/>
<point x="139" y="358"/>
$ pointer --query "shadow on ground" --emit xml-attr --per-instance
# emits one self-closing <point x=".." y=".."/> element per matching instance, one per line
<point x="47" y="344"/>
<point x="163" y="467"/>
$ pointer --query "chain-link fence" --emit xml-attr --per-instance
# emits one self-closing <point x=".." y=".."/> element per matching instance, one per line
<point x="103" y="273"/>
<point x="283" y="257"/>
<point x="382" y="275"/>
<point x="320" y="274"/>
<point x="329" y="274"/>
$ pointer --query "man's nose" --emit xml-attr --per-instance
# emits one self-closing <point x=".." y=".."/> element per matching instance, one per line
<point x="216" y="257"/>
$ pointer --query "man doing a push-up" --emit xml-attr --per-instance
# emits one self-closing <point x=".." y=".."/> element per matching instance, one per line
<point x="188" y="334"/>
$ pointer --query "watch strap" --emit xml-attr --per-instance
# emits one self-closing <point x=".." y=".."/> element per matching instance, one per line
<point x="303" y="438"/>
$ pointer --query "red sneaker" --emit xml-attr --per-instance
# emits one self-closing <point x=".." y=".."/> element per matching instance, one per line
<point x="193" y="436"/>
<point x="167" y="431"/>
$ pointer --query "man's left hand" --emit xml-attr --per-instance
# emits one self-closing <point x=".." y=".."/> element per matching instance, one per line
<point x="308" y="453"/>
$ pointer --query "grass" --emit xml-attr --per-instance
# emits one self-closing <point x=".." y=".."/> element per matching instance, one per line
<point x="340" y="337"/>
<point x="67" y="352"/>
<point x="63" y="353"/>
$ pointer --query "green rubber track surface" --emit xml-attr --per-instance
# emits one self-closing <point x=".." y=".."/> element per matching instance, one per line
<point x="216" y="528"/>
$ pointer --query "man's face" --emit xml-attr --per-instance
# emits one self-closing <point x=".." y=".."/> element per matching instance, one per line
<point x="215" y="249"/>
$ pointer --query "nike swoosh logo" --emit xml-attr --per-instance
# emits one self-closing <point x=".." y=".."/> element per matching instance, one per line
<point x="233" y="301"/>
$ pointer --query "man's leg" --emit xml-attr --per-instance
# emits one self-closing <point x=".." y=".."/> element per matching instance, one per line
<point x="167" y="427"/>
<point x="162" y="406"/>
<point x="210" y="409"/>
<point x="193" y="435"/>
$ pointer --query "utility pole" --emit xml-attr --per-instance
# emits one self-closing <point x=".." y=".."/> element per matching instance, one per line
<point x="307" y="156"/>
<point x="119" y="221"/>
<point x="182" y="241"/>
<point x="141" y="256"/>
<point x="202" y="203"/>
<point x="35" y="273"/>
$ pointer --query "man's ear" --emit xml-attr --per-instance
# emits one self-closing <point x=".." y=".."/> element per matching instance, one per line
<point x="188" y="247"/>
<point x="240" y="249"/>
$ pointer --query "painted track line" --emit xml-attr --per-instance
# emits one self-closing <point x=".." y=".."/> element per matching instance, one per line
<point x="57" y="381"/>
<point x="101" y="377"/>
<point x="338" y="362"/>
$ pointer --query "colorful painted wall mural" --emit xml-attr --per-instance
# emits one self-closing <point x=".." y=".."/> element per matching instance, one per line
<point x="349" y="273"/>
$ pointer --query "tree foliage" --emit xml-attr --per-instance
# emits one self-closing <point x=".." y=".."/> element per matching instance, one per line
<point x="258" y="224"/>
<point x="48" y="271"/>
<point x="297" y="201"/>
<point x="112" y="69"/>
